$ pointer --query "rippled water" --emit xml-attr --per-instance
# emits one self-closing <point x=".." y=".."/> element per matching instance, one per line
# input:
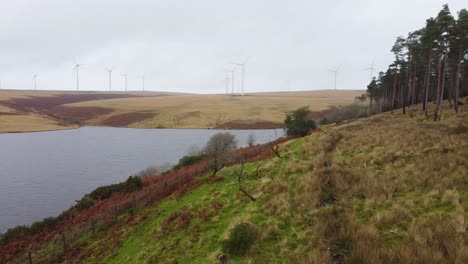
<point x="43" y="173"/>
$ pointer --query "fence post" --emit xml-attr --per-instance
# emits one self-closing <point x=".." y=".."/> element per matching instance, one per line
<point x="64" y="242"/>
<point x="29" y="257"/>
<point x="93" y="229"/>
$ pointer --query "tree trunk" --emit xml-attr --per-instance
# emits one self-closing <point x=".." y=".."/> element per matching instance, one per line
<point x="457" y="78"/>
<point x="413" y="88"/>
<point x="442" y="87"/>
<point x="402" y="95"/>
<point x="439" y="66"/>
<point x="394" y="91"/>
<point x="428" y="79"/>
<point x="450" y="88"/>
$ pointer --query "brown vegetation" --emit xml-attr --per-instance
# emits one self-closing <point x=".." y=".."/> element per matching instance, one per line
<point x="122" y="120"/>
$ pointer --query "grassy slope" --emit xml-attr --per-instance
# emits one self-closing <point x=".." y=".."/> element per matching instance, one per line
<point x="177" y="110"/>
<point x="29" y="121"/>
<point x="25" y="122"/>
<point x="401" y="194"/>
<point x="206" y="111"/>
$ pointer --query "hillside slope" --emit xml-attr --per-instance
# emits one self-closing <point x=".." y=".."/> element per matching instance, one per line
<point x="24" y="111"/>
<point x="389" y="188"/>
<point x="257" y="110"/>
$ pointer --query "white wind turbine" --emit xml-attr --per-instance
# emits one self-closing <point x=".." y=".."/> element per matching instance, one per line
<point x="125" y="75"/>
<point x="335" y="72"/>
<point x="110" y="77"/>
<point x="77" y="69"/>
<point x="142" y="82"/>
<point x="227" y="81"/>
<point x="242" y="64"/>
<point x="371" y="69"/>
<point x="35" y="81"/>
<point x="232" y="71"/>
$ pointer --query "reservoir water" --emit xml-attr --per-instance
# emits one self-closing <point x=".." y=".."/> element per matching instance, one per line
<point x="43" y="173"/>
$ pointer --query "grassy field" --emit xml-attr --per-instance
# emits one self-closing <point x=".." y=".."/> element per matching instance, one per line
<point x="208" y="111"/>
<point x="384" y="189"/>
<point x="35" y="115"/>
<point x="13" y="121"/>
<point x="45" y="110"/>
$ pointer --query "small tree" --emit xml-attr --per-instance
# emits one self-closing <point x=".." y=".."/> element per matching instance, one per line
<point x="298" y="123"/>
<point x="251" y="140"/>
<point x="217" y="147"/>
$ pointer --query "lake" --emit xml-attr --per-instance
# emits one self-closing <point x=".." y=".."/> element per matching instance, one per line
<point x="43" y="173"/>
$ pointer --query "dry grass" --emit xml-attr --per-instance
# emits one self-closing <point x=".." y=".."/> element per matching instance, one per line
<point x="207" y="111"/>
<point x="28" y="123"/>
<point x="173" y="110"/>
<point x="29" y="120"/>
<point x="389" y="188"/>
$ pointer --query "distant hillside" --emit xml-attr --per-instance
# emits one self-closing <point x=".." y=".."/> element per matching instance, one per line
<point x="23" y="111"/>
<point x="386" y="189"/>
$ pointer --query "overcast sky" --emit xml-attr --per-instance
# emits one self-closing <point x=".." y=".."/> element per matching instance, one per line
<point x="185" y="46"/>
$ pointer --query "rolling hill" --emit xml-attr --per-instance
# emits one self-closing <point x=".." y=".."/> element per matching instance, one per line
<point x="389" y="188"/>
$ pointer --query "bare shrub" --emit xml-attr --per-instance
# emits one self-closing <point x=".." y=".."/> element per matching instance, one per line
<point x="217" y="147"/>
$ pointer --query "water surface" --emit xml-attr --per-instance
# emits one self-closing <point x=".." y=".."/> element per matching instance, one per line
<point x="43" y="173"/>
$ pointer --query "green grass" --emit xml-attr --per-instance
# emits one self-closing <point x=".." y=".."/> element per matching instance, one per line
<point x="396" y="196"/>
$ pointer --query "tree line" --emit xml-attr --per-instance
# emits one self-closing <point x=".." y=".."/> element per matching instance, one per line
<point x="429" y="66"/>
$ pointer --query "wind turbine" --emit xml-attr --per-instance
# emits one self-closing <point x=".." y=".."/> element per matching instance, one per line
<point x="125" y="75"/>
<point x="242" y="64"/>
<point x="232" y="71"/>
<point x="143" y="82"/>
<point x="77" y="69"/>
<point x="110" y="77"/>
<point x="227" y="82"/>
<point x="35" y="81"/>
<point x="335" y="72"/>
<point x="371" y="69"/>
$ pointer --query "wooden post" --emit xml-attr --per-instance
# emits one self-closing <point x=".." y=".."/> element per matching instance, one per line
<point x="93" y="228"/>
<point x="29" y="257"/>
<point x="64" y="243"/>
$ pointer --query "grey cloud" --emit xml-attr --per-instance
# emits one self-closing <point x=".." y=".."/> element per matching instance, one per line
<point x="185" y="45"/>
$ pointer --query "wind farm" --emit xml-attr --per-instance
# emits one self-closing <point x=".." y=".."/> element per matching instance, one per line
<point x="233" y="132"/>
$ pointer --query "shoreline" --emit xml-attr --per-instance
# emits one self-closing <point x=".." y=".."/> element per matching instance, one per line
<point x="240" y="126"/>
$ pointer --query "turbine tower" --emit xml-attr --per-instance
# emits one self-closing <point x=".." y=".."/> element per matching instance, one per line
<point x="110" y="77"/>
<point x="125" y="75"/>
<point x="77" y="69"/>
<point x="35" y="81"/>
<point x="142" y="82"/>
<point x="242" y="64"/>
<point x="371" y="69"/>
<point x="335" y="72"/>
<point x="227" y="82"/>
<point x="232" y="71"/>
